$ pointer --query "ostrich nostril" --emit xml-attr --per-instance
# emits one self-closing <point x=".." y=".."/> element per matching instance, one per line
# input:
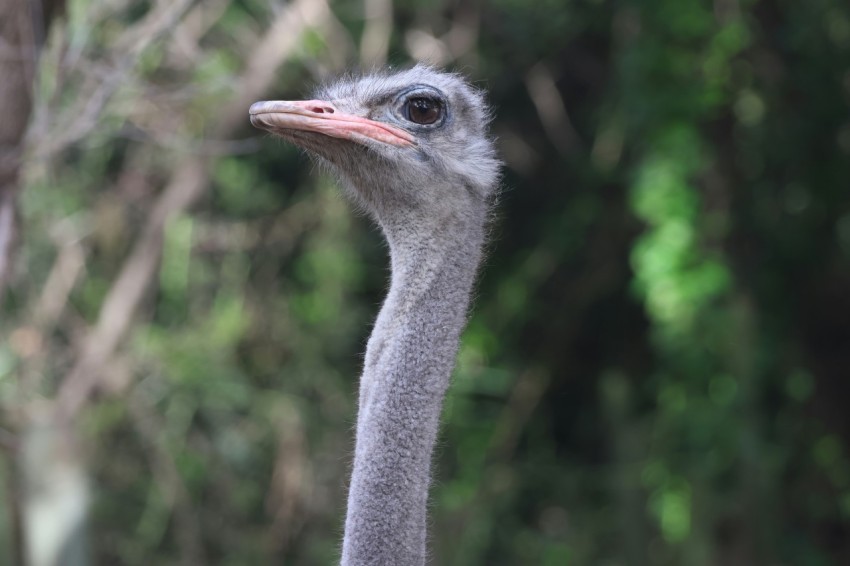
<point x="322" y="110"/>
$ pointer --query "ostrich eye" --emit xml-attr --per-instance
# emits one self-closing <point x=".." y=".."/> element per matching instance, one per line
<point x="422" y="110"/>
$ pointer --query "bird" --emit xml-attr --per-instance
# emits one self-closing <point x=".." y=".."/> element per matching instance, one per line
<point x="411" y="148"/>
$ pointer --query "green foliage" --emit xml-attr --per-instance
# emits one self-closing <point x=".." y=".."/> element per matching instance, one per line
<point x="655" y="369"/>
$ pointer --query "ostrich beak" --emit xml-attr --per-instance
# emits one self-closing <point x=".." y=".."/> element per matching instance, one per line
<point x="324" y="118"/>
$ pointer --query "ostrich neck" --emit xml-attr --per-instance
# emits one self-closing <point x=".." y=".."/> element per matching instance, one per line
<point x="409" y="360"/>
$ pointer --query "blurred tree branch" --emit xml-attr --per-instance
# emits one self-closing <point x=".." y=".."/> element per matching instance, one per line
<point x="188" y="183"/>
<point x="42" y="430"/>
<point x="376" y="37"/>
<point x="551" y="109"/>
<point x="100" y="80"/>
<point x="22" y="26"/>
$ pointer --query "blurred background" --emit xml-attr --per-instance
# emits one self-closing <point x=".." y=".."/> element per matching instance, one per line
<point x="656" y="369"/>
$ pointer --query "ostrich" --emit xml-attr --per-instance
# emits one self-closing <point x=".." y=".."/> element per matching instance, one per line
<point x="412" y="149"/>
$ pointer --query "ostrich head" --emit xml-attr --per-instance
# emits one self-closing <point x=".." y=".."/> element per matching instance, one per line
<point x="412" y="148"/>
<point x="403" y="144"/>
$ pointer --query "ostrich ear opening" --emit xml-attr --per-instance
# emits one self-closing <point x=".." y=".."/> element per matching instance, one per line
<point x="323" y="117"/>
